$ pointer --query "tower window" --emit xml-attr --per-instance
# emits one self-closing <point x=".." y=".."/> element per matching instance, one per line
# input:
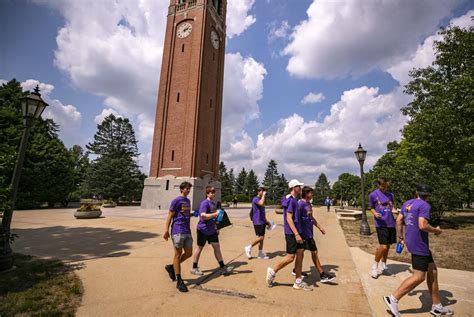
<point x="172" y="155"/>
<point x="177" y="97"/>
<point x="210" y="103"/>
<point x="167" y="185"/>
<point x="182" y="48"/>
<point x="207" y="158"/>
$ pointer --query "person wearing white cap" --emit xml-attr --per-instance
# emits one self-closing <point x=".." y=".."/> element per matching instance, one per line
<point x="294" y="241"/>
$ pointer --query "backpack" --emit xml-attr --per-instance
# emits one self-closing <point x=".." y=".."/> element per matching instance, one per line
<point x="251" y="213"/>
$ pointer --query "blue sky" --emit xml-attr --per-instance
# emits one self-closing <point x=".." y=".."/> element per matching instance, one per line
<point x="352" y="56"/>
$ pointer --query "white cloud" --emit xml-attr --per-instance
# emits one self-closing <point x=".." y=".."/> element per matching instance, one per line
<point x="105" y="113"/>
<point x="67" y="116"/>
<point x="304" y="149"/>
<point x="341" y="38"/>
<point x="243" y="88"/>
<point x="313" y="98"/>
<point x="425" y="53"/>
<point x="278" y="31"/>
<point x="3" y="81"/>
<point x="238" y="18"/>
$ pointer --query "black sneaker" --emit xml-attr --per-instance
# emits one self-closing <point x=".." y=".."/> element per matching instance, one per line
<point x="326" y="277"/>
<point x="303" y="274"/>
<point x="182" y="287"/>
<point x="170" y="269"/>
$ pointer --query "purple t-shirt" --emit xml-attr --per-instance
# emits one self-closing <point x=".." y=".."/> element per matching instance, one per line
<point x="290" y="205"/>
<point x="259" y="217"/>
<point x="305" y="208"/>
<point x="416" y="240"/>
<point x="181" y="206"/>
<point x="383" y="204"/>
<point x="208" y="227"/>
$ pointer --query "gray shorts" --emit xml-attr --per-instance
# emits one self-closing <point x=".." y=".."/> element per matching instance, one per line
<point x="182" y="240"/>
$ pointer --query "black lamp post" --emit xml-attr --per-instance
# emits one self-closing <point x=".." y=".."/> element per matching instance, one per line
<point x="361" y="155"/>
<point x="32" y="106"/>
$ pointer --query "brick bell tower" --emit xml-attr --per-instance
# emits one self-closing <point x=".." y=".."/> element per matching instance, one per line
<point x="186" y="141"/>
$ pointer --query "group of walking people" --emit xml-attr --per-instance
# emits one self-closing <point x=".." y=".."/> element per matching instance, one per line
<point x="410" y="229"/>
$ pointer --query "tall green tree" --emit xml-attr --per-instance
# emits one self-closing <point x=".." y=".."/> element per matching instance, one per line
<point x="81" y="169"/>
<point x="347" y="187"/>
<point x="322" y="189"/>
<point x="47" y="173"/>
<point x="251" y="183"/>
<point x="232" y="180"/>
<point x="227" y="186"/>
<point x="114" y="174"/>
<point x="240" y="183"/>
<point x="271" y="181"/>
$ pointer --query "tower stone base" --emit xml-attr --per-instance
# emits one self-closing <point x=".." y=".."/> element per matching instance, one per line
<point x="160" y="191"/>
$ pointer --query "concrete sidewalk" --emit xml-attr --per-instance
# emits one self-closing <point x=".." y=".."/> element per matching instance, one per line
<point x="456" y="288"/>
<point x="122" y="258"/>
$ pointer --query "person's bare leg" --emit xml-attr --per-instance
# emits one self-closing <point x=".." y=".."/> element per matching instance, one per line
<point x="258" y="240"/>
<point x="188" y="252"/>
<point x="385" y="253"/>
<point x="317" y="264"/>
<point x="217" y="251"/>
<point x="299" y="263"/>
<point x="197" y="254"/>
<point x="177" y="260"/>
<point x="379" y="252"/>
<point x="289" y="258"/>
<point x="260" y="245"/>
<point x="409" y="284"/>
<point x="432" y="281"/>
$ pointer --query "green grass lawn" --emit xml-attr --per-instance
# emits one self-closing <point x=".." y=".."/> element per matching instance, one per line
<point x="39" y="288"/>
<point x="452" y="249"/>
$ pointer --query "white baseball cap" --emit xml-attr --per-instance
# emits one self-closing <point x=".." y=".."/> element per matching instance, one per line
<point x="294" y="182"/>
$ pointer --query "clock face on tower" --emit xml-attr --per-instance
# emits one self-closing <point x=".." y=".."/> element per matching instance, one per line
<point x="184" y="30"/>
<point x="215" y="39"/>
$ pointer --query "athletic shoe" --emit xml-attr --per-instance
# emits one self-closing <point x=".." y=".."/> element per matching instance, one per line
<point x="303" y="274"/>
<point x="262" y="256"/>
<point x="182" y="287"/>
<point x="170" y="269"/>
<point x="226" y="270"/>
<point x="440" y="310"/>
<point x="392" y="306"/>
<point x="270" y="277"/>
<point x="326" y="278"/>
<point x="196" y="271"/>
<point x="248" y="251"/>
<point x="374" y="273"/>
<point x="303" y="286"/>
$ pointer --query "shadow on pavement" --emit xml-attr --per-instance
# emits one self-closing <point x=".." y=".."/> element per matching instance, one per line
<point x="215" y="273"/>
<point x="425" y="299"/>
<point x="272" y="255"/>
<point x="78" y="243"/>
<point x="399" y="268"/>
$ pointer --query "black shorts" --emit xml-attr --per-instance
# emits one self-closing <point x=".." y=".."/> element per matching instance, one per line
<point x="292" y="245"/>
<point x="259" y="230"/>
<point x="387" y="235"/>
<point x="310" y="244"/>
<point x="203" y="238"/>
<point x="421" y="262"/>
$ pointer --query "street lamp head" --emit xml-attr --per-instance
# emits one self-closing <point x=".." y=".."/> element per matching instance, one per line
<point x="32" y="106"/>
<point x="360" y="154"/>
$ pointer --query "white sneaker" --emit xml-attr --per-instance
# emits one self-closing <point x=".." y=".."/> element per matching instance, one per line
<point x="263" y="256"/>
<point x="303" y="286"/>
<point x="392" y="306"/>
<point x="248" y="251"/>
<point x="440" y="310"/>
<point x="374" y="273"/>
<point x="270" y="277"/>
<point x="196" y="271"/>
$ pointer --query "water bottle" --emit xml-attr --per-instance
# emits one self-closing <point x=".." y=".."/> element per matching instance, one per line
<point x="382" y="212"/>
<point x="399" y="247"/>
<point x="196" y="213"/>
<point x="221" y="215"/>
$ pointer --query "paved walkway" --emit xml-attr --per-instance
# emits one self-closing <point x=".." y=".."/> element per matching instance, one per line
<point x="121" y="257"/>
<point x="456" y="288"/>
